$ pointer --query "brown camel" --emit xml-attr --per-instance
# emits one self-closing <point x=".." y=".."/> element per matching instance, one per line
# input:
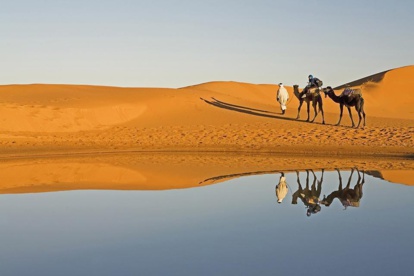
<point x="309" y="195"/>
<point x="312" y="96"/>
<point x="347" y="196"/>
<point x="354" y="99"/>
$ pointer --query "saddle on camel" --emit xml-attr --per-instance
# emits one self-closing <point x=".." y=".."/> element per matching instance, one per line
<point x="348" y="98"/>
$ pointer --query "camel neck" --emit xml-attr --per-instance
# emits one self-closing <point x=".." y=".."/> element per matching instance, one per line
<point x="333" y="96"/>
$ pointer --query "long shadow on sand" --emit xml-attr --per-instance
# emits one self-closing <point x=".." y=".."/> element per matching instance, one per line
<point x="246" y="110"/>
<point x="258" y="112"/>
<point x="243" y="107"/>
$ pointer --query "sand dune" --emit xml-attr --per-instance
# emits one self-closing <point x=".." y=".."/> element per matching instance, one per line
<point x="393" y="96"/>
<point x="217" y="116"/>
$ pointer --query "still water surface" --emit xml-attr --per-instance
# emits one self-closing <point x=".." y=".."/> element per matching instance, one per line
<point x="231" y="228"/>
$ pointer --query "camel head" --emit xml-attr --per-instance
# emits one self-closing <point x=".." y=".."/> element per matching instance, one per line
<point x="296" y="89"/>
<point x="327" y="91"/>
<point x="313" y="210"/>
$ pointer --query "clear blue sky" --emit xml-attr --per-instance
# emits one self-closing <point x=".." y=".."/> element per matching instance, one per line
<point x="160" y="43"/>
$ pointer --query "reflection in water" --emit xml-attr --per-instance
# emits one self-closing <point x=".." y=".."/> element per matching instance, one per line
<point x="310" y="195"/>
<point x="347" y="196"/>
<point x="229" y="229"/>
<point x="281" y="189"/>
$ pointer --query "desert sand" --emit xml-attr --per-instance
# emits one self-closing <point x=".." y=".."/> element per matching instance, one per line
<point x="194" y="133"/>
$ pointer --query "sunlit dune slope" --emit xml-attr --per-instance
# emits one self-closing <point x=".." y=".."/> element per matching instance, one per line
<point x="65" y="108"/>
<point x="60" y="108"/>
<point x="71" y="108"/>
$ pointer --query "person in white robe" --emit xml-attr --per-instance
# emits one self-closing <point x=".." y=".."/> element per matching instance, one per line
<point x="282" y="97"/>
<point x="281" y="189"/>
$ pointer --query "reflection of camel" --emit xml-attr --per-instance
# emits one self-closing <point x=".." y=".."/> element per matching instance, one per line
<point x="355" y="99"/>
<point x="309" y="196"/>
<point x="281" y="189"/>
<point x="312" y="96"/>
<point x="347" y="196"/>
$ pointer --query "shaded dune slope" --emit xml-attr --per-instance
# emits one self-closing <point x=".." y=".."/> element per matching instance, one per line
<point x="373" y="78"/>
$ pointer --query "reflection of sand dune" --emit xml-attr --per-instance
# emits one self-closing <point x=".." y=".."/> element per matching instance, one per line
<point x="51" y="176"/>
<point x="398" y="176"/>
<point x="163" y="171"/>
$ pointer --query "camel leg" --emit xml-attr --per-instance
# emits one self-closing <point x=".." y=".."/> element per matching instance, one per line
<point x="321" y="180"/>
<point x="321" y="110"/>
<point x="358" y="107"/>
<point x="350" y="116"/>
<point x="319" y="189"/>
<point x="340" y="180"/>
<point x="349" y="180"/>
<point x="362" y="110"/>
<point x="300" y="106"/>
<point x="307" y="108"/>
<point x="363" y="115"/>
<point x="359" y="116"/>
<point x="363" y="180"/>
<point x="341" y="110"/>
<point x="314" y="175"/>
<point x="315" y="111"/>
<point x="307" y="179"/>
<point x="298" y="180"/>
<point x="360" y="184"/>
<point x="359" y="176"/>
<point x="316" y="191"/>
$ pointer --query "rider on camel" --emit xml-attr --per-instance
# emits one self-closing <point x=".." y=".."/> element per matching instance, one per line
<point x="313" y="83"/>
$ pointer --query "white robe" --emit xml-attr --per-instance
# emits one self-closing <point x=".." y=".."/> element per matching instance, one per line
<point x="281" y="189"/>
<point x="282" y="97"/>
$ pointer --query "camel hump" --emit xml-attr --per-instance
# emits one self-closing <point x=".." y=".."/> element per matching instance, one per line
<point x="351" y="92"/>
<point x="314" y="91"/>
<point x="358" y="92"/>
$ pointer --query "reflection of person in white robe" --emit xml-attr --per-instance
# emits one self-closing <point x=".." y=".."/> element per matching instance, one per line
<point x="282" y="97"/>
<point x="281" y="189"/>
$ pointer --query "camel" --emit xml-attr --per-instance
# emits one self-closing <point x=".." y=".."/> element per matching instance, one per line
<point x="347" y="196"/>
<point x="312" y="96"/>
<point x="309" y="195"/>
<point x="355" y="99"/>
